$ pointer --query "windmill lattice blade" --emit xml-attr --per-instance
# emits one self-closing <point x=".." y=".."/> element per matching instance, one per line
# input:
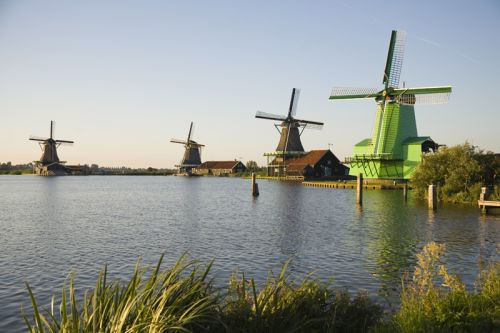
<point x="395" y="57"/>
<point x="313" y="126"/>
<point x="437" y="98"/>
<point x="37" y="138"/>
<point x="52" y="129"/>
<point x="265" y="115"/>
<point x="351" y="93"/>
<point x="189" y="133"/>
<point x="309" y="122"/>
<point x="422" y="90"/>
<point x="178" y="141"/>
<point x="294" y="102"/>
<point x="64" y="141"/>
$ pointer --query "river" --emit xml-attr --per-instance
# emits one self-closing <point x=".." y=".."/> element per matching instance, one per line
<point x="50" y="227"/>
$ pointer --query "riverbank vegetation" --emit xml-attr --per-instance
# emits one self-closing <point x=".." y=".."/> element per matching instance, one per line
<point x="459" y="173"/>
<point x="182" y="298"/>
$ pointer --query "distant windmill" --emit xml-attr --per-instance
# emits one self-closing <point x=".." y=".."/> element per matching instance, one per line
<point x="49" y="163"/>
<point x="394" y="150"/>
<point x="192" y="153"/>
<point x="290" y="144"/>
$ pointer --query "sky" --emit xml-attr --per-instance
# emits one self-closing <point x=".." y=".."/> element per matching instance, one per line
<point x="121" y="78"/>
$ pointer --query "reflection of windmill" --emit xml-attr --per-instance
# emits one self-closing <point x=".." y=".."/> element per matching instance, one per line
<point x="394" y="150"/>
<point x="289" y="144"/>
<point x="49" y="163"/>
<point x="192" y="153"/>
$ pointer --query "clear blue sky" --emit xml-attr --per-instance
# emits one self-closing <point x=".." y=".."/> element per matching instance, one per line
<point x="123" y="77"/>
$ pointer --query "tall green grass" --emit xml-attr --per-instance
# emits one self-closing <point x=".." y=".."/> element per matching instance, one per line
<point x="437" y="301"/>
<point x="182" y="299"/>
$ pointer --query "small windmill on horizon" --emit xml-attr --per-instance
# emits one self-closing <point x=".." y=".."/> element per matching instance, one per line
<point x="394" y="149"/>
<point x="192" y="153"/>
<point x="49" y="163"/>
<point x="290" y="130"/>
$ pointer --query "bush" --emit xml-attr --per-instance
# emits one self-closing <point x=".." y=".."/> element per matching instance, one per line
<point x="459" y="173"/>
<point x="437" y="301"/>
<point x="181" y="299"/>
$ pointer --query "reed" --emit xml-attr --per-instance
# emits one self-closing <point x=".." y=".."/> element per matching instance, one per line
<point x="437" y="301"/>
<point x="182" y="299"/>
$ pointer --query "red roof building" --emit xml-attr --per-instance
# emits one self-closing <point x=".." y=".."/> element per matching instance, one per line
<point x="316" y="164"/>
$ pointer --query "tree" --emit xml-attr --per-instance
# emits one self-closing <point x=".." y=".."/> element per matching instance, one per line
<point x="252" y="166"/>
<point x="458" y="171"/>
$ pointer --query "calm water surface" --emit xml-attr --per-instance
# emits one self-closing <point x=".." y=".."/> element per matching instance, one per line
<point x="52" y="226"/>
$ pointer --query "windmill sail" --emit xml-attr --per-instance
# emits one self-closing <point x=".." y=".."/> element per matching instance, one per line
<point x="395" y="57"/>
<point x="352" y="93"/>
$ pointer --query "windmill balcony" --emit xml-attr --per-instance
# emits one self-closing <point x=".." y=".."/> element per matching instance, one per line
<point x="372" y="157"/>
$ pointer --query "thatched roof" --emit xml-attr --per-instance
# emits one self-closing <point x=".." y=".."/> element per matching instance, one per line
<point x="218" y="164"/>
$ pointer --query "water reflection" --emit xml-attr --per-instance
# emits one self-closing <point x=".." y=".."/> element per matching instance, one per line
<point x="289" y="214"/>
<point x="392" y="241"/>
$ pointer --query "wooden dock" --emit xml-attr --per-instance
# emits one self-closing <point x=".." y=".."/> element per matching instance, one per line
<point x="352" y="185"/>
<point x="485" y="204"/>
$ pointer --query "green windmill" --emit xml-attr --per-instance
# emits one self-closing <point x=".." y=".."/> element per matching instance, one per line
<point x="394" y="149"/>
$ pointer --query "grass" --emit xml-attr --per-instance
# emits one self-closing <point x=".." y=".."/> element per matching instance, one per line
<point x="182" y="299"/>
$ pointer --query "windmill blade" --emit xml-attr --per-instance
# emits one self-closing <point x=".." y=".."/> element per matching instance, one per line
<point x="309" y="122"/>
<point x="411" y="99"/>
<point x="52" y="129"/>
<point x="352" y="93"/>
<point x="37" y="138"/>
<point x="312" y="126"/>
<point x="422" y="90"/>
<point x="179" y="141"/>
<point x="64" y="141"/>
<point x="265" y="115"/>
<point x="190" y="132"/>
<point x="196" y="144"/>
<point x="294" y="101"/>
<point x="395" y="57"/>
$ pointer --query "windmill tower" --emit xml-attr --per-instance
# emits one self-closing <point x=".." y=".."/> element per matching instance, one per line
<point x="290" y="130"/>
<point x="192" y="153"/>
<point x="49" y="163"/>
<point x="394" y="149"/>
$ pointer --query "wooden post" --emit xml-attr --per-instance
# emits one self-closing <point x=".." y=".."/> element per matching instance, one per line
<point x="482" y="197"/>
<point x="432" y="197"/>
<point x="255" y="186"/>
<point x="359" y="190"/>
<point x="405" y="191"/>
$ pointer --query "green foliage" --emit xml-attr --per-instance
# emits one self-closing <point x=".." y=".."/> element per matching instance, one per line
<point x="437" y="301"/>
<point x="252" y="166"/>
<point x="308" y="306"/>
<point x="181" y="299"/>
<point x="176" y="299"/>
<point x="458" y="171"/>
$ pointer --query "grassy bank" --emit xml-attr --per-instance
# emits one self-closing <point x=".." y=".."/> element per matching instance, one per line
<point x="16" y="172"/>
<point x="182" y="298"/>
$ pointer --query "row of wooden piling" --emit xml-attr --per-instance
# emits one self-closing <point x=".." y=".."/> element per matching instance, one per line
<point x="431" y="200"/>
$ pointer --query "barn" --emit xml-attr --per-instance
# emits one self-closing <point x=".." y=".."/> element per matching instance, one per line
<point x="317" y="164"/>
<point x="220" y="168"/>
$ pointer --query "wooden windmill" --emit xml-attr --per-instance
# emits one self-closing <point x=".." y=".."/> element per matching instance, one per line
<point x="49" y="163"/>
<point x="394" y="149"/>
<point x="290" y="129"/>
<point x="192" y="153"/>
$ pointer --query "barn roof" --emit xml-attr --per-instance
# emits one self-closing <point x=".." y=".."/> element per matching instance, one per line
<point x="218" y="164"/>
<point x="311" y="158"/>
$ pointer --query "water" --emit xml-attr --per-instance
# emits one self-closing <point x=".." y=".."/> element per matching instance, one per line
<point x="52" y="226"/>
